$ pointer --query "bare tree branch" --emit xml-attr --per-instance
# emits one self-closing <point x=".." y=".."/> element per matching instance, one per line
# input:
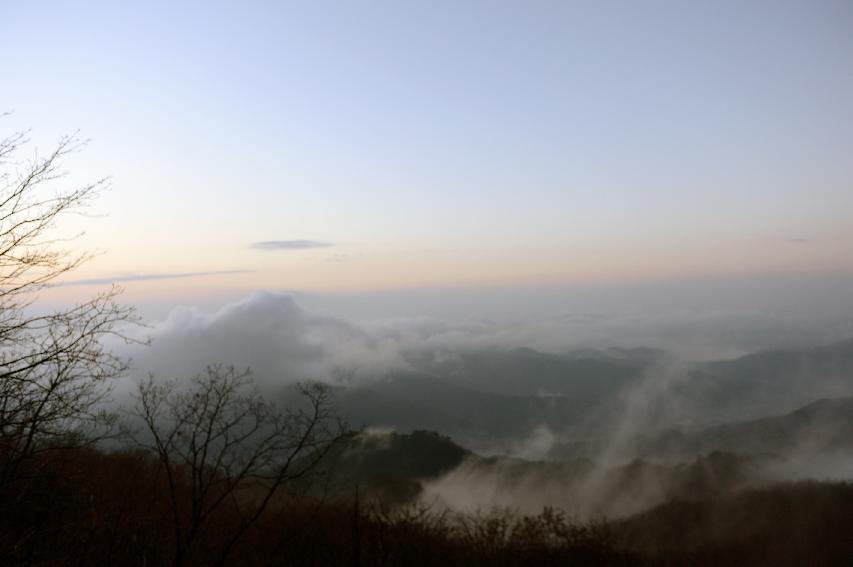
<point x="220" y="442"/>
<point x="54" y="368"/>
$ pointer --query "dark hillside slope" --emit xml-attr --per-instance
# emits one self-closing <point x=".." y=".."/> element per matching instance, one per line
<point x="789" y="524"/>
<point x="824" y="426"/>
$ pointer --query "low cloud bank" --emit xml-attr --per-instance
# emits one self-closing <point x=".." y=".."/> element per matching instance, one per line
<point x="590" y="490"/>
<point x="273" y="336"/>
<point x="283" y="342"/>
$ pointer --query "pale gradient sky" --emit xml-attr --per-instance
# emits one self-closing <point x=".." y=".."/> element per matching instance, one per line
<point x="445" y="144"/>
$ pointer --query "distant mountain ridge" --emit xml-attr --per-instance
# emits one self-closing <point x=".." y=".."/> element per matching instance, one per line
<point x="498" y="396"/>
<point x="825" y="425"/>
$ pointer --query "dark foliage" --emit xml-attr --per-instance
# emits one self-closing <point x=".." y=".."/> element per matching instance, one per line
<point x="806" y="523"/>
<point x="85" y="507"/>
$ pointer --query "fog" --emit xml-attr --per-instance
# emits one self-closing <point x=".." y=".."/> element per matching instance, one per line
<point x="710" y="317"/>
<point x="351" y="343"/>
<point x="272" y="335"/>
<point x="338" y="337"/>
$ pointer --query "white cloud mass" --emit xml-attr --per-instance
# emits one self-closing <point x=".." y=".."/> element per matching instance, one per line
<point x="272" y="335"/>
<point x="282" y="342"/>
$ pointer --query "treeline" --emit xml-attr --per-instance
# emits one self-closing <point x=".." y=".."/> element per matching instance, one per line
<point x="83" y="506"/>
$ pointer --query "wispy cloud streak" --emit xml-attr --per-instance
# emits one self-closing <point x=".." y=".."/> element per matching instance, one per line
<point x="288" y="245"/>
<point x="150" y="277"/>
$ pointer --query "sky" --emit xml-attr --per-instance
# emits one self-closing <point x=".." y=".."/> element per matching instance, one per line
<point x="379" y="146"/>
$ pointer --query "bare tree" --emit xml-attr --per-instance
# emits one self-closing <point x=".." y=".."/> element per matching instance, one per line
<point x="54" y="368"/>
<point x="225" y="449"/>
